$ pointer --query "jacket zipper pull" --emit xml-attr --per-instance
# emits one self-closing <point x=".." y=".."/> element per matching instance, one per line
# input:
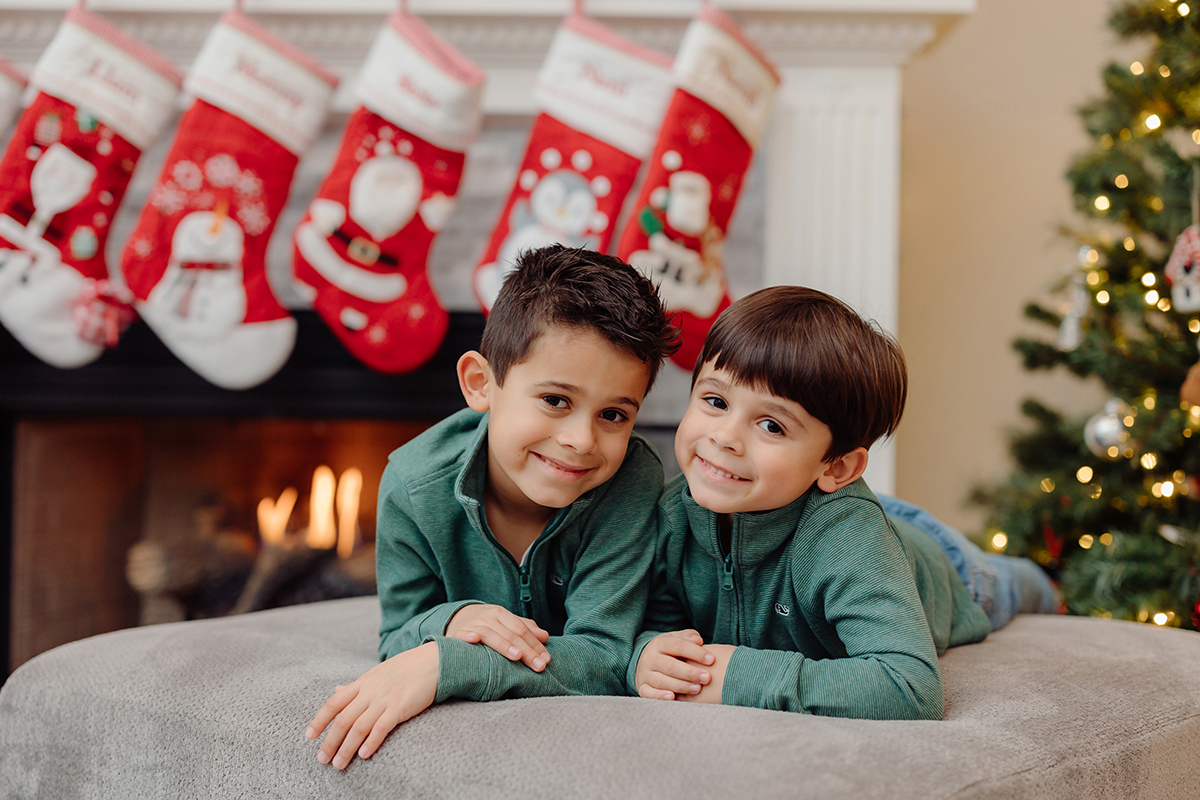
<point x="727" y="584"/>
<point x="526" y="596"/>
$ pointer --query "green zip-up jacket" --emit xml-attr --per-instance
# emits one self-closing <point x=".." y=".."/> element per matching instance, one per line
<point x="836" y="609"/>
<point x="584" y="579"/>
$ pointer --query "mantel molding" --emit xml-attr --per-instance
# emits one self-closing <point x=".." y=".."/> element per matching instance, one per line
<point x="509" y="34"/>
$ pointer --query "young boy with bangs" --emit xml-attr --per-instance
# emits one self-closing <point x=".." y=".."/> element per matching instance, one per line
<point x="781" y="581"/>
<point x="513" y="537"/>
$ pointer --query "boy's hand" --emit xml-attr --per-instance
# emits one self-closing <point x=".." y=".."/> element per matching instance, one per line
<point x="670" y="666"/>
<point x="515" y="638"/>
<point x="366" y="711"/>
<point x="711" y="693"/>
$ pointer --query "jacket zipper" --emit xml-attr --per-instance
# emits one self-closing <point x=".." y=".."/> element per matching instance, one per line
<point x="728" y="586"/>
<point x="526" y="595"/>
<point x="735" y="611"/>
<point x="526" y="592"/>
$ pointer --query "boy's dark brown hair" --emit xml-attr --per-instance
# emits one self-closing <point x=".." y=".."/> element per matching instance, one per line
<point x="575" y="288"/>
<point x="809" y="347"/>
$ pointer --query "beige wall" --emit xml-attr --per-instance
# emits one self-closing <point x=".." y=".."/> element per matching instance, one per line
<point x="988" y="131"/>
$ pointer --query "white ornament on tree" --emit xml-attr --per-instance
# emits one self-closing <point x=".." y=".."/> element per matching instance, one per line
<point x="1079" y="302"/>
<point x="1105" y="432"/>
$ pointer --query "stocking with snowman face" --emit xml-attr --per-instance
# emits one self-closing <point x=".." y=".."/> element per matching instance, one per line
<point x="362" y="246"/>
<point x="601" y="98"/>
<point x="722" y="100"/>
<point x="101" y="98"/>
<point x="196" y="262"/>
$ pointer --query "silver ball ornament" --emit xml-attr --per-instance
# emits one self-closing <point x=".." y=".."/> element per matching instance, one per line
<point x="1107" y="429"/>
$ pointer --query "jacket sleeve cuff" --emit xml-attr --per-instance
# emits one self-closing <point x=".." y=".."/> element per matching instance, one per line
<point x="464" y="670"/>
<point x="763" y="679"/>
<point x="639" y="645"/>
<point x="434" y="621"/>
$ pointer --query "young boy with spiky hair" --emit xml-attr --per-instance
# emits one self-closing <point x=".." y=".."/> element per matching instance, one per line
<point x="513" y="537"/>
<point x="781" y="581"/>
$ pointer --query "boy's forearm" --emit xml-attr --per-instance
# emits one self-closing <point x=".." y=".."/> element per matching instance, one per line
<point x="414" y="631"/>
<point x="889" y="686"/>
<point x="579" y="665"/>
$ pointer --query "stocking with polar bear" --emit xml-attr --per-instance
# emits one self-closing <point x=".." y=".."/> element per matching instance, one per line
<point x="723" y="92"/>
<point x="601" y="98"/>
<point x="100" y="98"/>
<point x="196" y="261"/>
<point x="361" y="248"/>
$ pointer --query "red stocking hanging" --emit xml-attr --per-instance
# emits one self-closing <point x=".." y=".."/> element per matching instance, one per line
<point x="101" y="99"/>
<point x="601" y="99"/>
<point x="196" y="262"/>
<point x="712" y="127"/>
<point x="362" y="246"/>
<point x="12" y="84"/>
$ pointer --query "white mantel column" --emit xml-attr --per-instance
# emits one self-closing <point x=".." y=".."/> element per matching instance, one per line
<point x="833" y="186"/>
<point x="833" y="198"/>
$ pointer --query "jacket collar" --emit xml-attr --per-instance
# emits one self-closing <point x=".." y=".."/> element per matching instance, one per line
<point x="758" y="534"/>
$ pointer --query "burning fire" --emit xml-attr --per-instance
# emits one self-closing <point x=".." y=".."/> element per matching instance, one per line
<point x="324" y="530"/>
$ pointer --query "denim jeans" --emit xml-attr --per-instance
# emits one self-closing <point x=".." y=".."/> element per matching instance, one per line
<point x="1002" y="585"/>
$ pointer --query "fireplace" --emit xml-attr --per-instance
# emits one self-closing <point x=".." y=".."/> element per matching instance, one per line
<point x="833" y="151"/>
<point x="135" y="449"/>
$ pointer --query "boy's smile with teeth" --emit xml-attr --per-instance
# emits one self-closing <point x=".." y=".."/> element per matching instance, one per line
<point x="569" y="472"/>
<point x="742" y="448"/>
<point x="720" y="473"/>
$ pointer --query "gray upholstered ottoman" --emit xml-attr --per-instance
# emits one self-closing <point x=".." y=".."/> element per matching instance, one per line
<point x="1050" y="707"/>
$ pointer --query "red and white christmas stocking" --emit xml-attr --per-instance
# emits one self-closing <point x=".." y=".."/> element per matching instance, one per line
<point x="361" y="248"/>
<point x="601" y="98"/>
<point x="12" y="85"/>
<point x="101" y="99"/>
<point x="722" y="100"/>
<point x="196" y="262"/>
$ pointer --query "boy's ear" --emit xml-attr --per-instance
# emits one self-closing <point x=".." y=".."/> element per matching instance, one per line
<point x="843" y="470"/>
<point x="475" y="379"/>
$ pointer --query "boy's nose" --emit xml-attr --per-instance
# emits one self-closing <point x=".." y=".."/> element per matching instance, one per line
<point x="726" y="437"/>
<point x="579" y="436"/>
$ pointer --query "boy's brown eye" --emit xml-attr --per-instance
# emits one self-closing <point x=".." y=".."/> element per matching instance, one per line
<point x="771" y="426"/>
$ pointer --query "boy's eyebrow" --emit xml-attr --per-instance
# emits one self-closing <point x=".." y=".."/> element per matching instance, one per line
<point x="571" y="388"/>
<point x="713" y="381"/>
<point x="782" y="411"/>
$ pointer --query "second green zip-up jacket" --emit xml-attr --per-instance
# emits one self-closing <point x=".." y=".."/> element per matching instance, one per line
<point x="584" y="580"/>
<point x="836" y="608"/>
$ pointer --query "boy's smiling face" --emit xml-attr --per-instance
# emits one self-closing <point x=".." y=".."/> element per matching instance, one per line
<point x="745" y="449"/>
<point x="560" y="424"/>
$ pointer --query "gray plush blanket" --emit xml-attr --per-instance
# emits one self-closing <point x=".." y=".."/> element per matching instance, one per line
<point x="1049" y="707"/>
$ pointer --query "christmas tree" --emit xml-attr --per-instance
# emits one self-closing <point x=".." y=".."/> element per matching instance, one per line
<point x="1110" y="504"/>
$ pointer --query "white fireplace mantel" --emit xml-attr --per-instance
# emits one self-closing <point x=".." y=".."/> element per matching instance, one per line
<point x="832" y="181"/>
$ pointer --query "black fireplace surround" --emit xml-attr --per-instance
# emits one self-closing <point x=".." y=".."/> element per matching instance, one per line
<point x="140" y="377"/>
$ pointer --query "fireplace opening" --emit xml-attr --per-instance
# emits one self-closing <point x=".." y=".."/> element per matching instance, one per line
<point x="120" y="521"/>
